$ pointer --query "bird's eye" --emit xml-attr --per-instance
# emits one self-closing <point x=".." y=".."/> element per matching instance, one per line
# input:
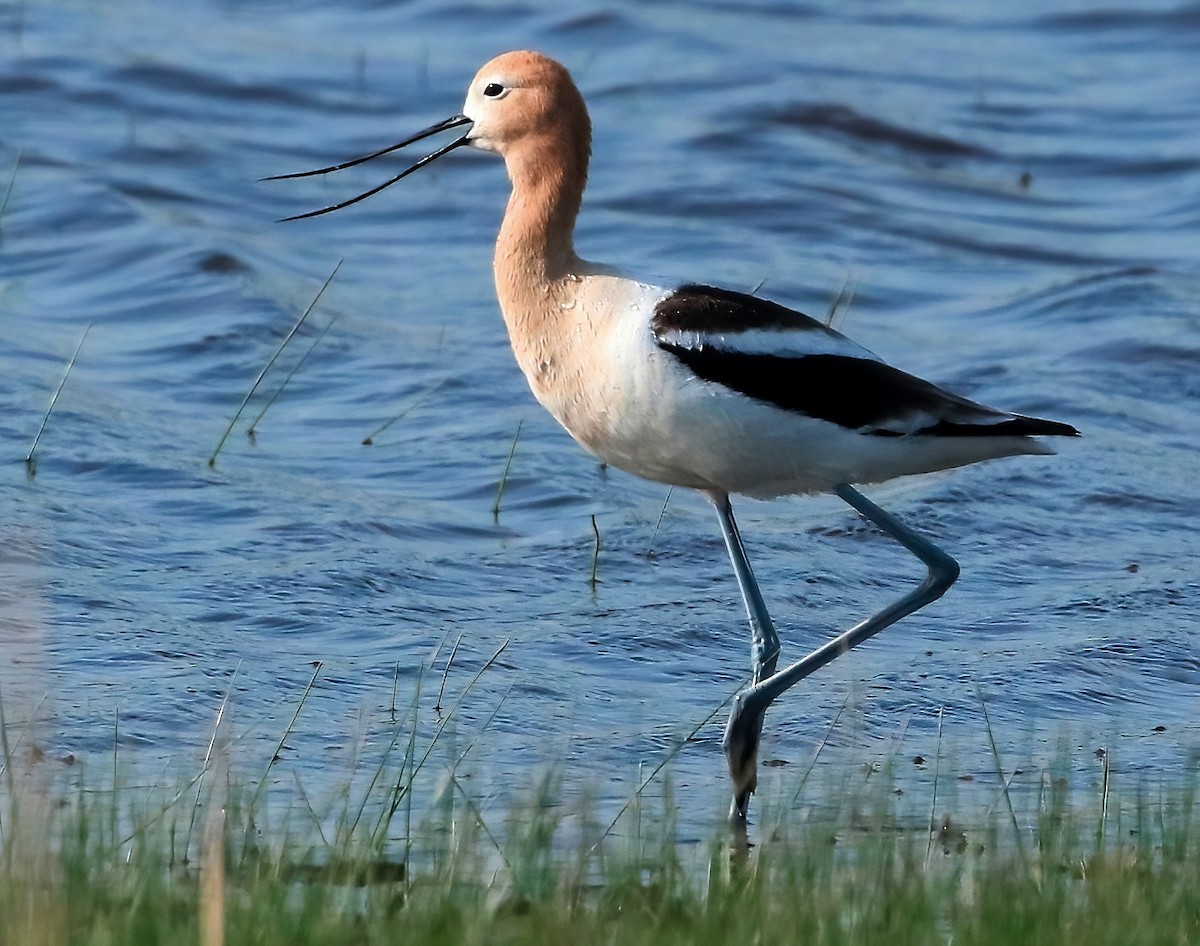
<point x="494" y="90"/>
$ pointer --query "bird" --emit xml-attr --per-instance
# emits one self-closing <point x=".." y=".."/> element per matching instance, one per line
<point x="691" y="385"/>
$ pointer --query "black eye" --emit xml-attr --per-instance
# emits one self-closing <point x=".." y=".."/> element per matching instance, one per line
<point x="493" y="90"/>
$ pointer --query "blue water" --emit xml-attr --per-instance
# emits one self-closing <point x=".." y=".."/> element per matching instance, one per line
<point x="1011" y="192"/>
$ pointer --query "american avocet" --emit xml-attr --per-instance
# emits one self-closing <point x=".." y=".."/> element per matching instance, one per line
<point x="695" y="386"/>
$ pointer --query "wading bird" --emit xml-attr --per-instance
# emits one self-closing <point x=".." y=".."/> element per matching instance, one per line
<point x="693" y="386"/>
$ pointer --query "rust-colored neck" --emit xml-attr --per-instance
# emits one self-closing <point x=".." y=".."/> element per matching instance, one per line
<point x="535" y="251"/>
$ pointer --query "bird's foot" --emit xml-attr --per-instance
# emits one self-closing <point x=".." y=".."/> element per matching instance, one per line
<point x="742" y="734"/>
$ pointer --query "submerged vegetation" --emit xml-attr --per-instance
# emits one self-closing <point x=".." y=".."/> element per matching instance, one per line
<point x="210" y="861"/>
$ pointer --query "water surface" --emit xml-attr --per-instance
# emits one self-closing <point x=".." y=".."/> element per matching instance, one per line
<point x="1011" y="195"/>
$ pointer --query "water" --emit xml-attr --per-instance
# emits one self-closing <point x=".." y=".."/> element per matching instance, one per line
<point x="1011" y="194"/>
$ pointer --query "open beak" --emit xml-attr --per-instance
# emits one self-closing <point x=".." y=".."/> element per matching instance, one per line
<point x="453" y="122"/>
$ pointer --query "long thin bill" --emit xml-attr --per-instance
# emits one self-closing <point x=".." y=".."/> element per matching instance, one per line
<point x="452" y="122"/>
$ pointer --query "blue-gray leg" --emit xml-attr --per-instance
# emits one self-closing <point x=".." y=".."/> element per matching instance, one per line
<point x="764" y="642"/>
<point x="745" y="721"/>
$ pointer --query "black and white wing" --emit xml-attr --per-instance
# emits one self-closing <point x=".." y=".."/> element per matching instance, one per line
<point x="779" y="356"/>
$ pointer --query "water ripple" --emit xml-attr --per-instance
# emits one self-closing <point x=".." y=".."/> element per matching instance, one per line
<point x="1006" y="193"/>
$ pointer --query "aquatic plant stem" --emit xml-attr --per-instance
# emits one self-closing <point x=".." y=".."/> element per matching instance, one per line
<point x="937" y="767"/>
<point x="663" y="763"/>
<point x="369" y="439"/>
<point x="208" y="758"/>
<point x="403" y="788"/>
<point x="6" y="762"/>
<point x="445" y="673"/>
<point x="658" y="522"/>
<point x="30" y="466"/>
<point x="812" y="764"/>
<point x="12" y="180"/>
<point x="504" y="475"/>
<point x="276" y="755"/>
<point x="253" y="428"/>
<point x="1012" y="813"/>
<point x="595" y="551"/>
<point x="212" y="460"/>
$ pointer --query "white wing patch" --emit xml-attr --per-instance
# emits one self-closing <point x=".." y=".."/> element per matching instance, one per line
<point x="781" y="342"/>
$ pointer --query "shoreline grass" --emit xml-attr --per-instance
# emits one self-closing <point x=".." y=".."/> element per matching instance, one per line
<point x="88" y="864"/>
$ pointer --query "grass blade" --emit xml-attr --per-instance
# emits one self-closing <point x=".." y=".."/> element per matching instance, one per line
<point x="820" y="748"/>
<point x="637" y="792"/>
<point x="504" y="476"/>
<point x="445" y="673"/>
<point x="841" y="302"/>
<point x="937" y="767"/>
<point x="369" y="439"/>
<point x="212" y="460"/>
<point x="402" y="790"/>
<point x="12" y="179"/>
<point x="1004" y="782"/>
<point x="208" y="758"/>
<point x="30" y="466"/>
<point x="252" y="429"/>
<point x="595" y="551"/>
<point x="658" y="522"/>
<point x="291" y="726"/>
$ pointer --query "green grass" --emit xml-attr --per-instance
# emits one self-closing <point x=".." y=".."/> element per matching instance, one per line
<point x="208" y="862"/>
